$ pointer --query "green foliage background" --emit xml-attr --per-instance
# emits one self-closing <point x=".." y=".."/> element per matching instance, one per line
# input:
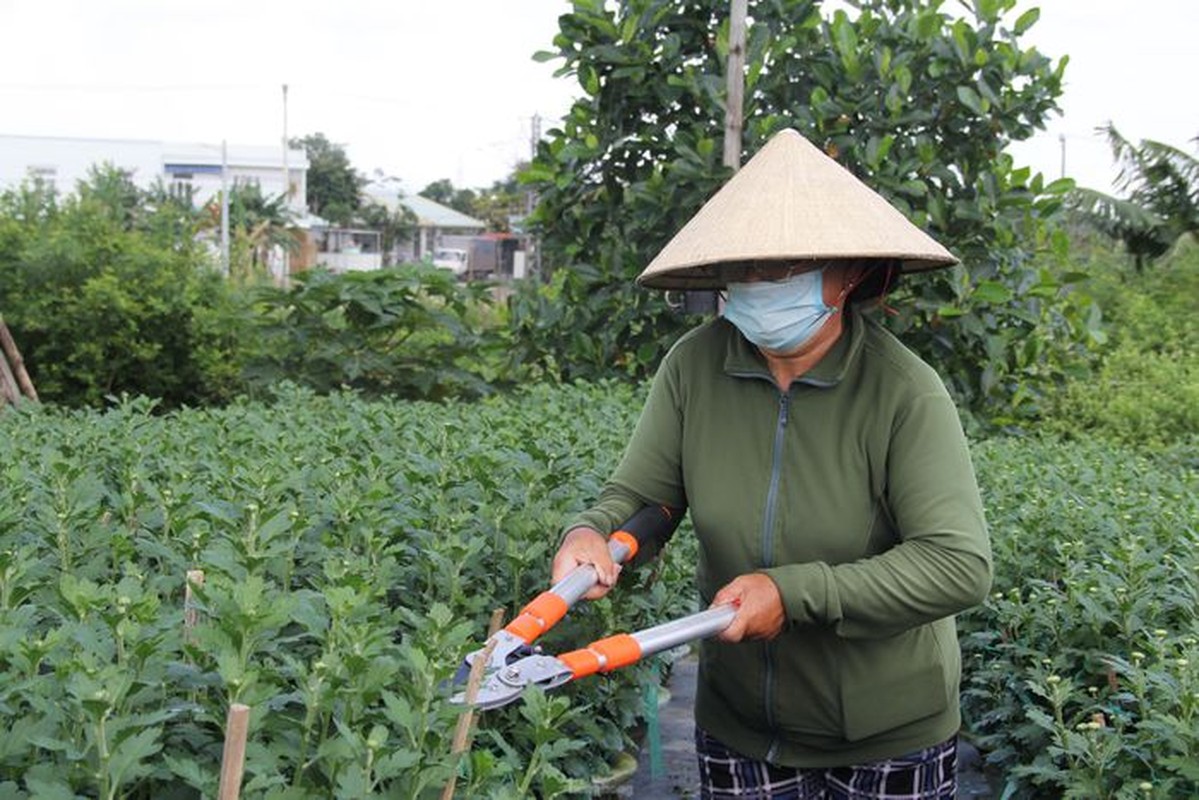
<point x="919" y="103"/>
<point x="1144" y="390"/>
<point x="352" y="551"/>
<point x="410" y="331"/>
<point x="109" y="291"/>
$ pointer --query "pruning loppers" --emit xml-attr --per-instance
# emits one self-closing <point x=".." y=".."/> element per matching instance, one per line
<point x="513" y="664"/>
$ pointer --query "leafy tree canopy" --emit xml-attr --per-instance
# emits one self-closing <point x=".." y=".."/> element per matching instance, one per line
<point x="443" y="192"/>
<point x="257" y="224"/>
<point x="918" y="102"/>
<point x="110" y="290"/>
<point x="495" y="205"/>
<point x="393" y="226"/>
<point x="334" y="186"/>
<point x="1161" y="184"/>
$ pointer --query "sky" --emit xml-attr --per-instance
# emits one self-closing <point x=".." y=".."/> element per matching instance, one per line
<point x="423" y="90"/>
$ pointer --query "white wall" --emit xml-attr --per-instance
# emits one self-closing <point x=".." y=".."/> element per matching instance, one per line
<point x="350" y="262"/>
<point x="65" y="162"/>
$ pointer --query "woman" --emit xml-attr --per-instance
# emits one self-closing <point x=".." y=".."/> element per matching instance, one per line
<point x="829" y="485"/>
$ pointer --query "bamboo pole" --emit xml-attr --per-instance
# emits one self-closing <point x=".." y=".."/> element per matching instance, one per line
<point x="234" y="758"/>
<point x="13" y="355"/>
<point x="461" y="741"/>
<point x="735" y="107"/>
<point x="195" y="577"/>
<point x="8" y="384"/>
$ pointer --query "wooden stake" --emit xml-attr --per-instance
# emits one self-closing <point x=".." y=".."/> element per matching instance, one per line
<point x="466" y="719"/>
<point x="8" y="384"/>
<point x="234" y="757"/>
<point x="13" y="355"/>
<point x="195" y="577"/>
<point x="734" y="111"/>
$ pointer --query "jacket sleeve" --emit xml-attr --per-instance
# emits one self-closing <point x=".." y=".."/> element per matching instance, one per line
<point x="942" y="563"/>
<point x="649" y="472"/>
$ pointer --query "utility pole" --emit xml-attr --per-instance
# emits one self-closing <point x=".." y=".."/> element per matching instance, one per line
<point x="225" y="207"/>
<point x="531" y="198"/>
<point x="705" y="302"/>
<point x="734" y="108"/>
<point x="1061" y="137"/>
<point x="286" y="172"/>
<point x="285" y="266"/>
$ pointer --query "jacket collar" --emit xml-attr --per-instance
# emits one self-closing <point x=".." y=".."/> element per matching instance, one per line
<point x="743" y="360"/>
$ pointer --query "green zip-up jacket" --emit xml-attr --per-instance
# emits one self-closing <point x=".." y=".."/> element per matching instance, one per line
<point x="855" y="493"/>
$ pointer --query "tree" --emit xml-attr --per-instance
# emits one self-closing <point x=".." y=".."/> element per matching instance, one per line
<point x="393" y="226"/>
<point x="443" y="192"/>
<point x="501" y="202"/>
<point x="110" y="290"/>
<point x="258" y="224"/>
<point x="334" y="186"/>
<point x="1162" y="183"/>
<point x="917" y="102"/>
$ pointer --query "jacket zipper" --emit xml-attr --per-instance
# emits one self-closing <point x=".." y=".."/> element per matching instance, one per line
<point x="776" y="467"/>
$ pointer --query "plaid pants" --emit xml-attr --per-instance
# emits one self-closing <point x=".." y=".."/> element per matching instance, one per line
<point x="929" y="774"/>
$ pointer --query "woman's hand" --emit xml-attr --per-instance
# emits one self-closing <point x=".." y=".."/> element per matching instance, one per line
<point x="760" y="613"/>
<point x="587" y="546"/>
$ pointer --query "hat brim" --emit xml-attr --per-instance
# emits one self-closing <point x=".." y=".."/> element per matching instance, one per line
<point x="790" y="202"/>
<point x="715" y="274"/>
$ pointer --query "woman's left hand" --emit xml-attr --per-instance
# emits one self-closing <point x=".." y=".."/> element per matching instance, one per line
<point x="760" y="613"/>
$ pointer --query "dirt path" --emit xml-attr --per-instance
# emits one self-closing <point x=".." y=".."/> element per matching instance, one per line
<point x="679" y="778"/>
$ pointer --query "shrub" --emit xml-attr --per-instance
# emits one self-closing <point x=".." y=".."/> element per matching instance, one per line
<point x="410" y="331"/>
<point x="1079" y="671"/>
<point x="353" y="553"/>
<point x="109" y="292"/>
<point x="1144" y="391"/>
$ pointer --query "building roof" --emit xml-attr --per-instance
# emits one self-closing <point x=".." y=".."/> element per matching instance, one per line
<point x="169" y="152"/>
<point x="429" y="213"/>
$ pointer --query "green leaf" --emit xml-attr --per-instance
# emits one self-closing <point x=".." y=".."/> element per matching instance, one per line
<point x="846" y="40"/>
<point x="970" y="99"/>
<point x="1060" y="186"/>
<point x="126" y="759"/>
<point x="49" y="789"/>
<point x="991" y="292"/>
<point x="1026" y="20"/>
<point x="988" y="10"/>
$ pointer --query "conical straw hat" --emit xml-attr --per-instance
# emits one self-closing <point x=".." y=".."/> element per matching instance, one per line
<point x="789" y="202"/>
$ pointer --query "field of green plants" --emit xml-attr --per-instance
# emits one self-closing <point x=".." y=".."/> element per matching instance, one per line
<point x="352" y="554"/>
<point x="353" y="551"/>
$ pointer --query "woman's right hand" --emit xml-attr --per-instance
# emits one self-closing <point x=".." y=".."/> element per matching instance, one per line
<point x="587" y="546"/>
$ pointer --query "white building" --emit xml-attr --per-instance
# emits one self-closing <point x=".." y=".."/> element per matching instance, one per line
<point x="437" y="226"/>
<point x="66" y="161"/>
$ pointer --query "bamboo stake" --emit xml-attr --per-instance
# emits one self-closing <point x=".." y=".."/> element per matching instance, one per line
<point x="734" y="111"/>
<point x="8" y="384"/>
<point x="195" y="577"/>
<point x="9" y="345"/>
<point x="234" y="757"/>
<point x="461" y="742"/>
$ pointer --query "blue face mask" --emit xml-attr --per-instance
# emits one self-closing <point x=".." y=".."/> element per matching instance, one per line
<point x="779" y="316"/>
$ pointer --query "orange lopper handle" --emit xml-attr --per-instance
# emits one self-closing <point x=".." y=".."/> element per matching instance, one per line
<point x="651" y="524"/>
<point x="604" y="655"/>
<point x="538" y="616"/>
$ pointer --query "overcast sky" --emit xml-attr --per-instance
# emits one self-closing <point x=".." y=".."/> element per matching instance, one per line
<point x="430" y="89"/>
